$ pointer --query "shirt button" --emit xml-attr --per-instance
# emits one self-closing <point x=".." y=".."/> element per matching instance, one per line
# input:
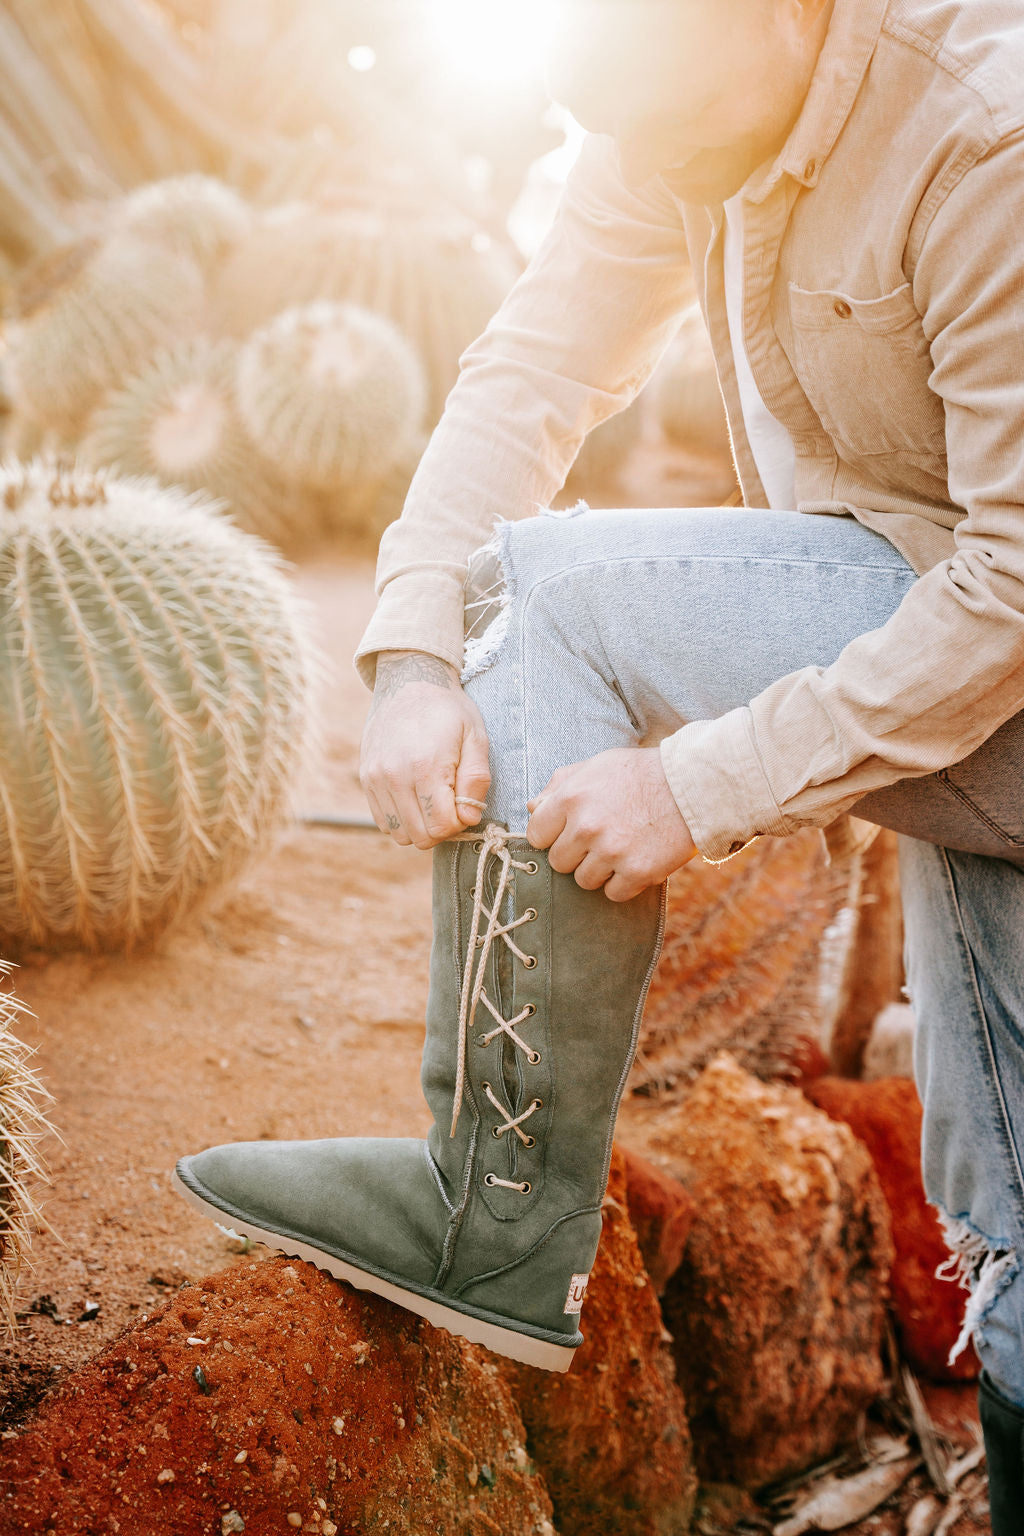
<point x="842" y="309"/>
<point x="809" y="170"/>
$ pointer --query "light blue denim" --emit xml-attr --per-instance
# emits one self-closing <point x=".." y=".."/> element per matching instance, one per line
<point x="589" y="630"/>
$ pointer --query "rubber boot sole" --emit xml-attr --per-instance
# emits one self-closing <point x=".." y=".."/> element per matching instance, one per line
<point x="467" y="1323"/>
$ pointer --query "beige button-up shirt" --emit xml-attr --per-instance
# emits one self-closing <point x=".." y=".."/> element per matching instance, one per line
<point x="884" y="320"/>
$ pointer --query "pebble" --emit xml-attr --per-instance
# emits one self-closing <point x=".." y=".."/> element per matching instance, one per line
<point x="194" y="1341"/>
<point x="339" y="1426"/>
<point x="329" y="1528"/>
<point x="295" y="1520"/>
<point x="166" y="1476"/>
<point x="231" y="1523"/>
<point x="242" y="1456"/>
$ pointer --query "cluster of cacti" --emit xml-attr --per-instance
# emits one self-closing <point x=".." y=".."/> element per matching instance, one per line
<point x="687" y="399"/>
<point x="435" y="275"/>
<point x="153" y="704"/>
<point x="23" y="1126"/>
<point x="120" y="346"/>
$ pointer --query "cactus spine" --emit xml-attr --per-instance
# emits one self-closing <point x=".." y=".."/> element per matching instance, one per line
<point x="22" y="1126"/>
<point x="153" y="704"/>
<point x="331" y="395"/>
<point x="91" y="314"/>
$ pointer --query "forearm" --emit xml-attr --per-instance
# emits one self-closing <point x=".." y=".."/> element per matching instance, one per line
<point x="573" y="343"/>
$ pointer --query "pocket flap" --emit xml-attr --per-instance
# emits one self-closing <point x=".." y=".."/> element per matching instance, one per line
<point x="828" y="309"/>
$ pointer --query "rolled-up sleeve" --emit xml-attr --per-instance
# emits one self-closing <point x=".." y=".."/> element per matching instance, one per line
<point x="947" y="669"/>
<point x="573" y="343"/>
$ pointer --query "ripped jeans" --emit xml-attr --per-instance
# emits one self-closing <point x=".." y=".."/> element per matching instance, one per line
<point x="591" y="630"/>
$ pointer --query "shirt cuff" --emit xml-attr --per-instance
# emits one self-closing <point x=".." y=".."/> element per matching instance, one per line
<point x="715" y="773"/>
<point x="418" y="611"/>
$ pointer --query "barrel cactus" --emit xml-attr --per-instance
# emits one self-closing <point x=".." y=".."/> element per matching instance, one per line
<point x="687" y="400"/>
<point x="194" y="214"/>
<point x="177" y="421"/>
<point x="153" y="704"/>
<point x="90" y="314"/>
<point x="437" y="276"/>
<point x="22" y="1126"/>
<point x="330" y="394"/>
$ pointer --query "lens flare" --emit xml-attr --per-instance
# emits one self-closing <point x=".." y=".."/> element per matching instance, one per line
<point x="501" y="41"/>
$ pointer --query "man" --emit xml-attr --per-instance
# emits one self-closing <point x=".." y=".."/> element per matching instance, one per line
<point x="843" y="177"/>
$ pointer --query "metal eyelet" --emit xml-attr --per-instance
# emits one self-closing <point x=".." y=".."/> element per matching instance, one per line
<point x="534" y="1058"/>
<point x="478" y="847"/>
<point x="479" y="942"/>
<point x="532" y="867"/>
<point x="531" y="1141"/>
<point x="482" y="1040"/>
<point x="485" y="1085"/>
<point x="530" y="962"/>
<point x="530" y="914"/>
<point x="527" y="1189"/>
<point x="472" y="891"/>
<point x="490" y="1180"/>
<point x="538" y="1104"/>
<point x="496" y="1132"/>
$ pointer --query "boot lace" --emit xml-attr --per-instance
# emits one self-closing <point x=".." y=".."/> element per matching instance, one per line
<point x="485" y="928"/>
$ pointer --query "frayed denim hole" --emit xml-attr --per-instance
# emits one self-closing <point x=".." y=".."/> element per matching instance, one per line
<point x="982" y="1266"/>
<point x="490" y="588"/>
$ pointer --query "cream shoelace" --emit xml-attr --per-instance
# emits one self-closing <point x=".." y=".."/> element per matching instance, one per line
<point x="486" y="927"/>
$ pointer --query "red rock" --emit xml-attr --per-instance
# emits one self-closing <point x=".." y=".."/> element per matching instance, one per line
<point x="611" y="1436"/>
<point x="886" y="1116"/>
<point x="346" y="1408"/>
<point x="778" y="1308"/>
<point x="661" y="1213"/>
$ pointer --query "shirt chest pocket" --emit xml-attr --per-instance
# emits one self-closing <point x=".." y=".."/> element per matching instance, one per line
<point x="864" y="365"/>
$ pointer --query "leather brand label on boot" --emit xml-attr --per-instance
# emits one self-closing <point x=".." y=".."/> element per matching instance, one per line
<point x="577" y="1293"/>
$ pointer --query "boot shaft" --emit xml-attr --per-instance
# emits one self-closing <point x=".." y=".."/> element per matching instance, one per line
<point x="550" y="982"/>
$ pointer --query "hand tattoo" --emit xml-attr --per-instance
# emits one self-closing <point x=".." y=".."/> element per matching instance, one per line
<point x="393" y="676"/>
<point x="393" y="823"/>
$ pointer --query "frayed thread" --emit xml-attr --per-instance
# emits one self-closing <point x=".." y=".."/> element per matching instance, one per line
<point x="981" y="1267"/>
<point x="487" y="603"/>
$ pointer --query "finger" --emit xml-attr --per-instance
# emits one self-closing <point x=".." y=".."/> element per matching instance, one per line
<point x="410" y="813"/>
<point x="438" y="809"/>
<point x="391" y="822"/>
<point x="552" y="784"/>
<point x="568" y="851"/>
<point x="624" y="887"/>
<point x="547" y="821"/>
<point x="472" y="779"/>
<point x="592" y="872"/>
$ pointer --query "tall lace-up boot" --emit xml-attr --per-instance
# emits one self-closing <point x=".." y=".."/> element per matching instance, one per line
<point x="489" y="1227"/>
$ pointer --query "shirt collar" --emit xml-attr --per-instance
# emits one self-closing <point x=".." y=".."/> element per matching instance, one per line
<point x="849" y="47"/>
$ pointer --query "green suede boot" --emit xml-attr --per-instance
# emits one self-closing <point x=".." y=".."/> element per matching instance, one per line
<point x="489" y="1227"/>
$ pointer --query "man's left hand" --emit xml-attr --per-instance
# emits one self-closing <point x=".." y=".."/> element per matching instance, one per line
<point x="613" y="821"/>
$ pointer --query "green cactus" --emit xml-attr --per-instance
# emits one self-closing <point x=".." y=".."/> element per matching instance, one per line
<point x="22" y="1126"/>
<point x="331" y="395"/>
<point x="438" y="277"/>
<point x="194" y="215"/>
<point x="177" y="421"/>
<point x="687" y="400"/>
<point x="89" y="315"/>
<point x="153" y="704"/>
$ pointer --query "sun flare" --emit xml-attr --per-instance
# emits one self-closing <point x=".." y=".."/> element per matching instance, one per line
<point x="501" y="41"/>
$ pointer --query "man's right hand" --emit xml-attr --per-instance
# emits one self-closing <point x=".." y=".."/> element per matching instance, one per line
<point x="424" y="744"/>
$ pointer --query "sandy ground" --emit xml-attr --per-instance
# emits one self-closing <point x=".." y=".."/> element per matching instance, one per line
<point x="291" y="1006"/>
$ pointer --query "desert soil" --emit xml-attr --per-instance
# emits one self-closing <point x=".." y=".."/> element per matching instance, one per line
<point x="290" y="1006"/>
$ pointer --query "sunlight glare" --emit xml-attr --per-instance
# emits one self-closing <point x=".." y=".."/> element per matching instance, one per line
<point x="499" y="41"/>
